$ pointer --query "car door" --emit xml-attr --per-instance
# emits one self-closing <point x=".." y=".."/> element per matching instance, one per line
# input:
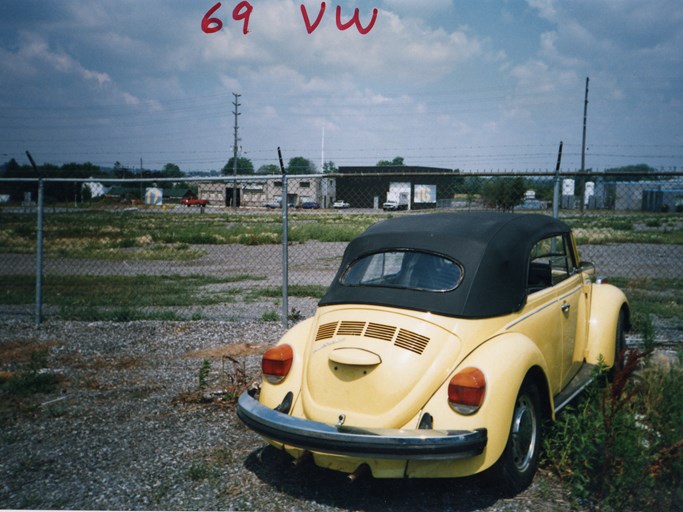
<point x="569" y="284"/>
<point x="553" y="272"/>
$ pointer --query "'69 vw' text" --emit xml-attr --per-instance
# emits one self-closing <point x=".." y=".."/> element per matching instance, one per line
<point x="242" y="12"/>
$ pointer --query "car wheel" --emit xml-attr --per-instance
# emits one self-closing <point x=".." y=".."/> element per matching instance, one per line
<point x="516" y="468"/>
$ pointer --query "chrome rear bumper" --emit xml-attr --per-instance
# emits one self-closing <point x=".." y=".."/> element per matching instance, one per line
<point x="358" y="442"/>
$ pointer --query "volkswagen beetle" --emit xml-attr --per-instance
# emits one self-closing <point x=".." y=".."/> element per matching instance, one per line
<point x="443" y="344"/>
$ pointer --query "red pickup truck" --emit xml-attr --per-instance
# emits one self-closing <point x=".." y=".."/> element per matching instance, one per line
<point x="194" y="201"/>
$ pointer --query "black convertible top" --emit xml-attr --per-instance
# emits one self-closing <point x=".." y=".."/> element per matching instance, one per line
<point x="492" y="248"/>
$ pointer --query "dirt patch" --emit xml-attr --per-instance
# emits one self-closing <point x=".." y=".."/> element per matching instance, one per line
<point x="22" y="351"/>
<point x="227" y="351"/>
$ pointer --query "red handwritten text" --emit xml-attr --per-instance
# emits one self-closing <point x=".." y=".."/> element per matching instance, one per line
<point x="243" y="10"/>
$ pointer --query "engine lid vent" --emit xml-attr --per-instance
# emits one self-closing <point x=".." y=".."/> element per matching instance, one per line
<point x="349" y="328"/>
<point x="411" y="341"/>
<point x="326" y="331"/>
<point x="380" y="332"/>
<point x="404" y="338"/>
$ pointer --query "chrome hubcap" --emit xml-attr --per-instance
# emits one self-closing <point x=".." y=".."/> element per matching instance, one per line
<point x="524" y="431"/>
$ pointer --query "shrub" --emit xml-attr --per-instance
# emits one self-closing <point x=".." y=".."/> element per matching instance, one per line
<point x="621" y="446"/>
<point x="31" y="379"/>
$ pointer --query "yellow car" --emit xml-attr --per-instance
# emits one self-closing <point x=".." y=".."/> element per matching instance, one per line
<point x="443" y="344"/>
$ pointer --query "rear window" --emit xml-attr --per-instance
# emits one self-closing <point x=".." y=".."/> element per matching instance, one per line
<point x="404" y="269"/>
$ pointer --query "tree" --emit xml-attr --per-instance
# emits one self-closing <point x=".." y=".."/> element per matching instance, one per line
<point x="268" y="169"/>
<point x="122" y="172"/>
<point x="12" y="166"/>
<point x="503" y="193"/>
<point x="636" y="172"/>
<point x="244" y="166"/>
<point x="171" y="171"/>
<point x="330" y="168"/>
<point x="300" y="165"/>
<point x="76" y="170"/>
<point x="396" y="162"/>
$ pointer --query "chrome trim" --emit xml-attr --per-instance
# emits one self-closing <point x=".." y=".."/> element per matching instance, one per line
<point x="358" y="442"/>
<point x="542" y="307"/>
<point x="567" y="400"/>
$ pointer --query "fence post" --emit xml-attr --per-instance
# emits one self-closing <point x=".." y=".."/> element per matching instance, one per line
<point x="285" y="249"/>
<point x="556" y="185"/>
<point x="285" y="253"/>
<point x="39" y="252"/>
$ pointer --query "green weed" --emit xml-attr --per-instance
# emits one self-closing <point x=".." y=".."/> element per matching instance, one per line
<point x="30" y="378"/>
<point x="202" y="471"/>
<point x="270" y="316"/>
<point x="621" y="446"/>
<point x="204" y="372"/>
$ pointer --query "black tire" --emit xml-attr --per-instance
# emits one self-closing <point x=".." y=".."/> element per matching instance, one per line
<point x="619" y="346"/>
<point x="516" y="468"/>
<point x="620" y="343"/>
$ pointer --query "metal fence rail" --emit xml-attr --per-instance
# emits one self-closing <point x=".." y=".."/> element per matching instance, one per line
<point x="267" y="246"/>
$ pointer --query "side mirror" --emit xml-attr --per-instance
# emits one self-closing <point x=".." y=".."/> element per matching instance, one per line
<point x="587" y="267"/>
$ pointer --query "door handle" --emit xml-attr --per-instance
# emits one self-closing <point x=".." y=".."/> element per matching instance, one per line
<point x="566" y="307"/>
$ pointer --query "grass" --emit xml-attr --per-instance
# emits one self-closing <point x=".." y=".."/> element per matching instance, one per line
<point x="122" y="298"/>
<point x="153" y="235"/>
<point x="609" y="227"/>
<point x="275" y="292"/>
<point x="141" y="235"/>
<point x="650" y="297"/>
<point x="142" y="297"/>
<point x="165" y="236"/>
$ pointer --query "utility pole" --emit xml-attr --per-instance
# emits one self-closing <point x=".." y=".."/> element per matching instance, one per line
<point x="582" y="181"/>
<point x="234" y="150"/>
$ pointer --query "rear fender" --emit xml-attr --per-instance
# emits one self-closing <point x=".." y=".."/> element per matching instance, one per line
<point x="272" y="394"/>
<point x="606" y="303"/>
<point x="506" y="361"/>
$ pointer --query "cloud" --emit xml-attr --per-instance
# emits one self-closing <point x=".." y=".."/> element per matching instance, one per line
<point x="36" y="62"/>
<point x="418" y="8"/>
<point x="34" y="53"/>
<point x="546" y="8"/>
<point x="397" y="48"/>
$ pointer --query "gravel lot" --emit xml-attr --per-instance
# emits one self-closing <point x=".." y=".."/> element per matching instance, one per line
<point x="128" y="429"/>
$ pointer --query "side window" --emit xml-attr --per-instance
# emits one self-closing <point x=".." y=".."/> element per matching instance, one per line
<point x="550" y="263"/>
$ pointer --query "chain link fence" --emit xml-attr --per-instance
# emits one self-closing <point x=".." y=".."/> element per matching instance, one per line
<point x="266" y="247"/>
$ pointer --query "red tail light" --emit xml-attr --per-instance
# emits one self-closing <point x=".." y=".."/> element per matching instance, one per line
<point x="466" y="391"/>
<point x="277" y="362"/>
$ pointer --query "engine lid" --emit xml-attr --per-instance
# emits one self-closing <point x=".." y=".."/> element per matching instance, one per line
<point x="378" y="371"/>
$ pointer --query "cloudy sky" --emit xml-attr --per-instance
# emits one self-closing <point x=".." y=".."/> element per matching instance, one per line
<point x="474" y="85"/>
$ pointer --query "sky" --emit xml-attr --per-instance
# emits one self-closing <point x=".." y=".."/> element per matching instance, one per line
<point x="475" y="85"/>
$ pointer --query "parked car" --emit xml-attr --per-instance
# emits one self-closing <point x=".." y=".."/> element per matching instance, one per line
<point x="309" y="205"/>
<point x="443" y="344"/>
<point x="194" y="201"/>
<point x="273" y="204"/>
<point x="341" y="204"/>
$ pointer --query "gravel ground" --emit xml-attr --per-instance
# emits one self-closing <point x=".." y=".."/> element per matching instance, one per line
<point x="128" y="429"/>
